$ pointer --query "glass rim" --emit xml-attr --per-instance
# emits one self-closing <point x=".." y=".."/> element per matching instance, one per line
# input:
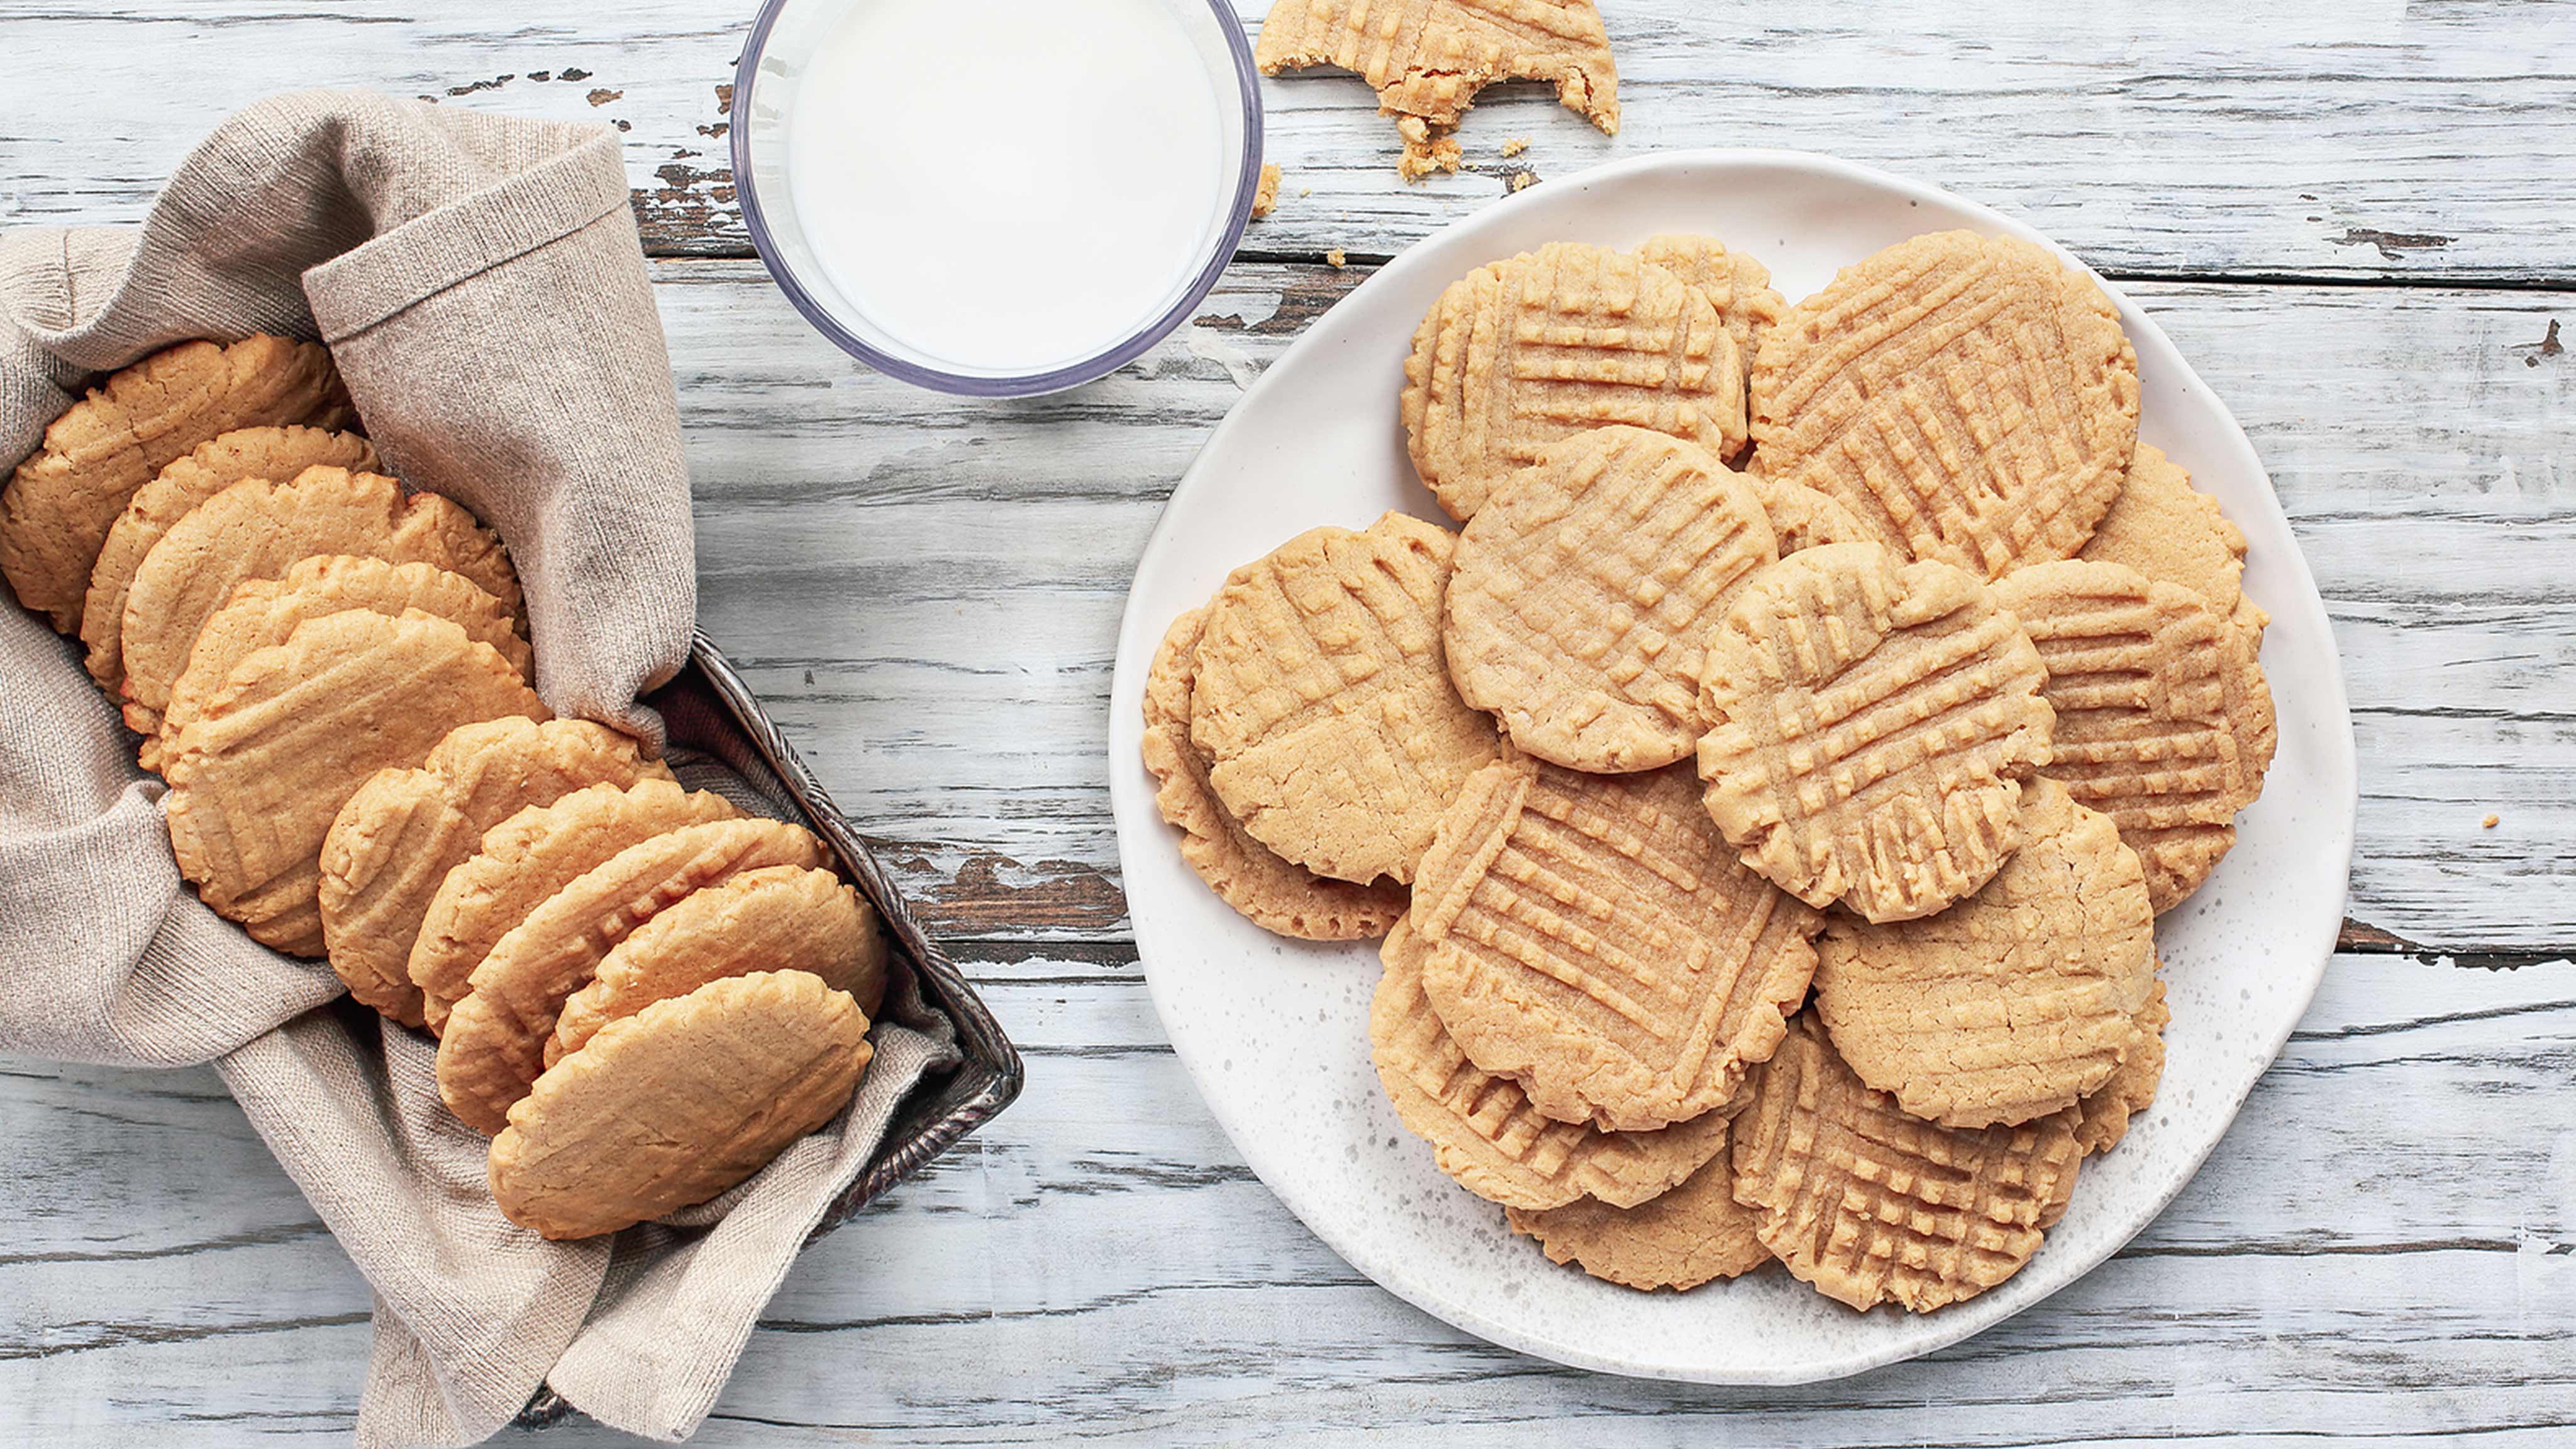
<point x="1237" y="216"/>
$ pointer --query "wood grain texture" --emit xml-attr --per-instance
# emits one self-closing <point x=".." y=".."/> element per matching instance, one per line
<point x="1099" y="1261"/>
<point x="2306" y="137"/>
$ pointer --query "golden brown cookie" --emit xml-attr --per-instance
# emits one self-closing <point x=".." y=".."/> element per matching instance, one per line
<point x="1970" y="398"/>
<point x="253" y="530"/>
<point x="1324" y="703"/>
<point x="256" y="778"/>
<point x="526" y="859"/>
<point x="1802" y="518"/>
<point x="2172" y="532"/>
<point x="1592" y="936"/>
<point x="1870" y="722"/>
<point x="494" y="1043"/>
<point x="1873" y="1206"/>
<point x="1688" y="1236"/>
<point x="405" y="829"/>
<point x="775" y="918"/>
<point x="1482" y="1128"/>
<point x="2013" y="1004"/>
<point x="265" y="611"/>
<point x="1585" y="588"/>
<point x="2102" y="1119"/>
<point x="1520" y="353"/>
<point x="1735" y="284"/>
<point x="2150" y="689"/>
<point x="276" y="454"/>
<point x="59" y="505"/>
<point x="675" y="1104"/>
<point x="1245" y="874"/>
<point x="1426" y="59"/>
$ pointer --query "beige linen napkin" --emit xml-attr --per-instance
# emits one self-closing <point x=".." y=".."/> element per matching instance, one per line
<point x="479" y="281"/>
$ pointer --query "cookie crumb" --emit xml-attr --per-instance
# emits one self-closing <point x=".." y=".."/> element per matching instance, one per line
<point x="1265" y="197"/>
<point x="1523" y="180"/>
<point x="2491" y="822"/>
<point x="1431" y="150"/>
<point x="1336" y="259"/>
<point x="1305" y="191"/>
<point x="1515" y="146"/>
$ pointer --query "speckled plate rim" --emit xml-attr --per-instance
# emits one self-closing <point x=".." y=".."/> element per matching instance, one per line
<point x="1316" y="440"/>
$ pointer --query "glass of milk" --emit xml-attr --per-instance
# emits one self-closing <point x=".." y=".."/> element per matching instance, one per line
<point x="996" y="197"/>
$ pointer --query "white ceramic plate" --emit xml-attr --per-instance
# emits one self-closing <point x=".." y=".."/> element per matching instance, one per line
<point x="1275" y="1032"/>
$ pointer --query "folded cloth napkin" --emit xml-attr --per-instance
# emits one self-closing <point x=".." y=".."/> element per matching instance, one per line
<point x="479" y="281"/>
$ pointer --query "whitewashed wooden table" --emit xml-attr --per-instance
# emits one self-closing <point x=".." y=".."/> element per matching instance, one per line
<point x="2353" y="215"/>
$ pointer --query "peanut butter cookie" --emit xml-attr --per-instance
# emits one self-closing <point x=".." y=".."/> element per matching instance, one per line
<point x="2103" y="1118"/>
<point x="1735" y="284"/>
<point x="1970" y="398"/>
<point x="405" y="829"/>
<point x="1592" y="936"/>
<point x="257" y="777"/>
<point x="675" y="1104"/>
<point x="2172" y="532"/>
<point x="1870" y="723"/>
<point x="59" y="505"/>
<point x="1691" y="1235"/>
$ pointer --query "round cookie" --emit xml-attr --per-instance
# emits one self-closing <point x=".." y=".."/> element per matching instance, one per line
<point x="1970" y="398"/>
<point x="2102" y="1119"/>
<point x="2153" y="693"/>
<point x="1802" y="518"/>
<point x="58" y="506"/>
<point x="774" y="918"/>
<point x="1870" y="721"/>
<point x="1483" y="1130"/>
<point x="265" y="611"/>
<point x="256" y="778"/>
<point x="1520" y="353"/>
<point x="494" y="1043"/>
<point x="1593" y="937"/>
<point x="1244" y="873"/>
<point x="1585" y="587"/>
<point x="675" y="1104"/>
<point x="272" y="453"/>
<point x="253" y="530"/>
<point x="525" y="859"/>
<point x="1735" y="284"/>
<point x="2015" y="1003"/>
<point x="1873" y="1206"/>
<point x="2170" y="531"/>
<point x="1324" y="703"/>
<point x="404" y="830"/>
<point x="1691" y="1235"/>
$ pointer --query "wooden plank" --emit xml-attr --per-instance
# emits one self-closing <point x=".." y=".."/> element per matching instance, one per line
<point x="2313" y="137"/>
<point x="1100" y="1256"/>
<point x="927" y="591"/>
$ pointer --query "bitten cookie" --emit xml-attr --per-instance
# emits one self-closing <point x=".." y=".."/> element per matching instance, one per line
<point x="526" y="859"/>
<point x="1735" y="284"/>
<point x="1592" y="936"/>
<point x="276" y="454"/>
<point x="2014" y="1003"/>
<point x="1871" y="721"/>
<point x="1585" y="588"/>
<point x="1246" y="874"/>
<point x="404" y="830"/>
<point x="256" y="778"/>
<point x="59" y="505"/>
<point x="1970" y="398"/>
<point x="1691" y="1235"/>
<point x="1521" y="353"/>
<point x="675" y="1104"/>
<point x="1324" y="701"/>
<point x="2155" y="697"/>
<point x="494" y="1043"/>
<point x="1482" y="1129"/>
<point x="775" y="918"/>
<point x="253" y="530"/>
<point x="265" y="611"/>
<point x="1873" y="1206"/>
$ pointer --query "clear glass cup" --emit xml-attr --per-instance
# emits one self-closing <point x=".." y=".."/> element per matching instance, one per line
<point x="783" y="40"/>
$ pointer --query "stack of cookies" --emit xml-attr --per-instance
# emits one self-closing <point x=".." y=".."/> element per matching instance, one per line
<point x="1767" y="794"/>
<point x="643" y="992"/>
